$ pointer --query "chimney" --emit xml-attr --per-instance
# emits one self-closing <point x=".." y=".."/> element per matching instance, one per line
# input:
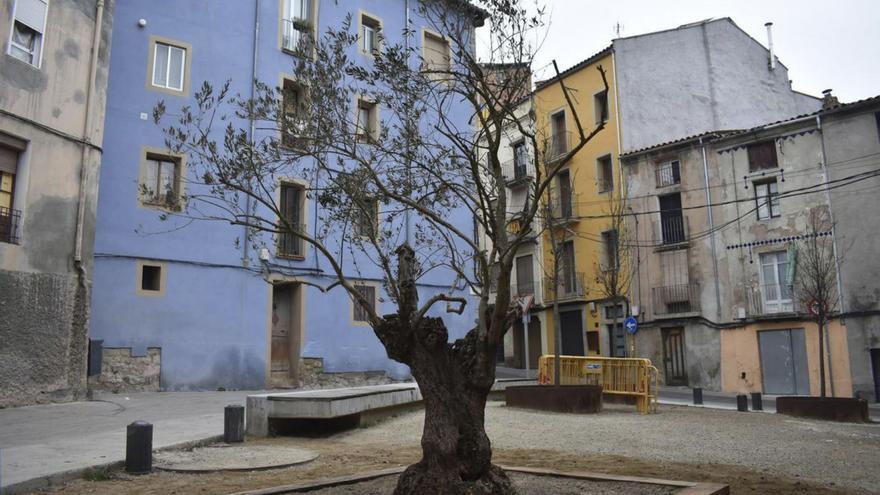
<point x="769" y="26"/>
<point x="829" y="100"/>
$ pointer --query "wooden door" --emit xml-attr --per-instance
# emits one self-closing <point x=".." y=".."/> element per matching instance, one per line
<point x="673" y="356"/>
<point x="284" y="358"/>
<point x="572" y="333"/>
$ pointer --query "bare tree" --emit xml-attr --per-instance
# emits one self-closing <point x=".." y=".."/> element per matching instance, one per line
<point x="815" y="282"/>
<point x="396" y="188"/>
<point x="614" y="271"/>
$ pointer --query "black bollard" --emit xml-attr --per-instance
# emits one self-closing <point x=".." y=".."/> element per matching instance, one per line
<point x="698" y="395"/>
<point x="233" y="424"/>
<point x="139" y="448"/>
<point x="742" y="403"/>
<point x="757" y="402"/>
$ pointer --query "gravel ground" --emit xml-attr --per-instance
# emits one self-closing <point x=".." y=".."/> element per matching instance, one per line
<point x="526" y="484"/>
<point x="237" y="457"/>
<point x="845" y="455"/>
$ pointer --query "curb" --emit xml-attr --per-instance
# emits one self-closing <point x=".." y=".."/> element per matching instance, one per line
<point x="58" y="478"/>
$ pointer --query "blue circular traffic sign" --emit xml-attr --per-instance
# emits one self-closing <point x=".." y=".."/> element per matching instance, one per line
<point x="631" y="325"/>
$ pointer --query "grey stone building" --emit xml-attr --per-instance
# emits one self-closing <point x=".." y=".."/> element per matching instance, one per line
<point x="53" y="78"/>
<point x="722" y="218"/>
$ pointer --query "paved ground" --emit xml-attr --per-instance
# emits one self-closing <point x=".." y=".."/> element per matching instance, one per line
<point x="40" y="441"/>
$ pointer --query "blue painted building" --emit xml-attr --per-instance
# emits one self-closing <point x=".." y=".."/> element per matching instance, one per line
<point x="189" y="303"/>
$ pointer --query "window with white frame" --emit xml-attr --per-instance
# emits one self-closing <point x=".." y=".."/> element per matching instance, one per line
<point x="169" y="66"/>
<point x="296" y="25"/>
<point x="767" y="199"/>
<point x="436" y="55"/>
<point x="370" y="31"/>
<point x="28" y="26"/>
<point x="775" y="284"/>
<point x="367" y="123"/>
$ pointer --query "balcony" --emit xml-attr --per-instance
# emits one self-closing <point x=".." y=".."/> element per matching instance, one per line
<point x="516" y="173"/>
<point x="296" y="36"/>
<point x="564" y="209"/>
<point x="668" y="174"/>
<point x="532" y="288"/>
<point x="557" y="146"/>
<point x="290" y="245"/>
<point x="514" y="227"/>
<point x="671" y="230"/>
<point x="676" y="299"/>
<point x="771" y="299"/>
<point x="9" y="220"/>
<point x="571" y="286"/>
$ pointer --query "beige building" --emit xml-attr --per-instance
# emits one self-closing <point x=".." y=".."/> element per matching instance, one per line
<point x="53" y="77"/>
<point x="720" y="221"/>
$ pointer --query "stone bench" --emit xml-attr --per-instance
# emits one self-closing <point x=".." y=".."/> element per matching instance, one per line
<point x="335" y="403"/>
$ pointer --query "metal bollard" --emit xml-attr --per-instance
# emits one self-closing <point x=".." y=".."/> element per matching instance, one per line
<point x="742" y="403"/>
<point x="139" y="448"/>
<point x="233" y="423"/>
<point x="698" y="395"/>
<point x="757" y="402"/>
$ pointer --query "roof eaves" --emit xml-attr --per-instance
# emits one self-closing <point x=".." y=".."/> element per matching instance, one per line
<point x="576" y="67"/>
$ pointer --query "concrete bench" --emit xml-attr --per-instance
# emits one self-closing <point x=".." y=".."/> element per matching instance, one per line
<point x="334" y="403"/>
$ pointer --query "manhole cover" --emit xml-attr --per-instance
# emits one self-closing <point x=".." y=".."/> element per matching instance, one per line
<point x="231" y="458"/>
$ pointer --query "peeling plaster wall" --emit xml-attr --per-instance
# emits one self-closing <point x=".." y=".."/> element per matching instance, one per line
<point x="44" y="307"/>
<point x="714" y="71"/>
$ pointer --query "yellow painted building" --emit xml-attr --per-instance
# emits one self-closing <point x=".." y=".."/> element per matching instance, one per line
<point x="583" y="188"/>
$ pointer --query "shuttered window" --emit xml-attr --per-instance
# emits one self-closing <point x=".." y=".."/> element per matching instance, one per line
<point x="762" y="156"/>
<point x="26" y="39"/>
<point x="359" y="314"/>
<point x="436" y="54"/>
<point x="289" y="244"/>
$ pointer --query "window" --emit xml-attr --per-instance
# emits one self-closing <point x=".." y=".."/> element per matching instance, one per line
<point x="525" y="280"/>
<point x="150" y="278"/>
<point x="359" y="314"/>
<point x="605" y="174"/>
<point x="168" y="66"/>
<point x="565" y="206"/>
<point x="28" y="26"/>
<point x="294" y="115"/>
<point x="370" y="32"/>
<point x="367" y="123"/>
<point x="365" y="221"/>
<point x="672" y="226"/>
<point x="291" y="208"/>
<point x="567" y="275"/>
<point x="559" y="135"/>
<point x="877" y="118"/>
<point x="775" y="283"/>
<point x="610" y="245"/>
<point x="668" y="173"/>
<point x="767" y="199"/>
<point x="436" y="56"/>
<point x="9" y="217"/>
<point x="613" y="311"/>
<point x="600" y="106"/>
<point x="762" y="156"/>
<point x="520" y="160"/>
<point x="296" y="25"/>
<point x="161" y="180"/>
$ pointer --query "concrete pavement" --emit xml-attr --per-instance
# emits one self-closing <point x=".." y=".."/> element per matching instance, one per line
<point x="42" y="445"/>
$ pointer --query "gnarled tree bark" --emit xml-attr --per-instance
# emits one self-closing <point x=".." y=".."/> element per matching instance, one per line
<point x="455" y="380"/>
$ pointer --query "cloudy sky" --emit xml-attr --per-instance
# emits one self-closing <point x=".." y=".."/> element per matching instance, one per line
<point x="825" y="44"/>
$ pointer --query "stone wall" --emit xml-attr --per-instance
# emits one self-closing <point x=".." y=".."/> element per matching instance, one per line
<point x="313" y="376"/>
<point x="123" y="373"/>
<point x="43" y="333"/>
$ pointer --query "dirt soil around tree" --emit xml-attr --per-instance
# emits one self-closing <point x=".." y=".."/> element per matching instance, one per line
<point x="754" y="453"/>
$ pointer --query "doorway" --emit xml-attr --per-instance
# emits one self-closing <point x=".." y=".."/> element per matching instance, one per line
<point x="534" y="343"/>
<point x="674" y="367"/>
<point x="286" y="335"/>
<point x="784" y="362"/>
<point x="572" y="333"/>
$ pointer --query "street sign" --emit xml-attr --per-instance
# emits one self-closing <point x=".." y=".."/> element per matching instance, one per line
<point x="631" y="325"/>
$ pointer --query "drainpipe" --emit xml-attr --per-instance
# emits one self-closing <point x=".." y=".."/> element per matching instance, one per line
<point x="245" y="258"/>
<point x="769" y="26"/>
<point x="842" y="301"/>
<point x="84" y="160"/>
<point x="406" y="35"/>
<point x="711" y="230"/>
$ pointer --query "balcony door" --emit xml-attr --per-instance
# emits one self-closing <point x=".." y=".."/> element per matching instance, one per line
<point x="671" y="221"/>
<point x="775" y="289"/>
<point x="525" y="280"/>
<point x="572" y="333"/>
<point x="564" y="180"/>
<point x="567" y="278"/>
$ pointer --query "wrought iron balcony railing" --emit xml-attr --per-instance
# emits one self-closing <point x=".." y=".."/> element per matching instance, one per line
<point x="296" y="35"/>
<point x="671" y="229"/>
<point x="290" y="245"/>
<point x="571" y="286"/>
<point x="668" y="174"/>
<point x="676" y="299"/>
<point x="9" y="221"/>
<point x="564" y="208"/>
<point x="771" y="299"/>
<point x="558" y="145"/>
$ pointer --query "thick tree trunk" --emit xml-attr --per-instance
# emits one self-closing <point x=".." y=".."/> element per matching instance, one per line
<point x="455" y="382"/>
